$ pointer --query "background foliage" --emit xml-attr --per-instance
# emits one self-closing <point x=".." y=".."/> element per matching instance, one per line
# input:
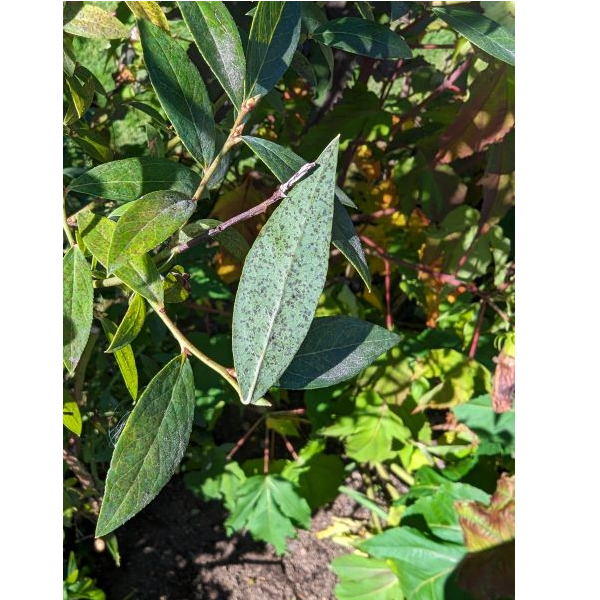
<point x="404" y="254"/>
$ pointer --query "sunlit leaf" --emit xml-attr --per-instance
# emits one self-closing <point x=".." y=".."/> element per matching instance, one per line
<point x="131" y="324"/>
<point x="91" y="21"/>
<point x="124" y="357"/>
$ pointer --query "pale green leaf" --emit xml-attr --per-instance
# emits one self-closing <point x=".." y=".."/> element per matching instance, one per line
<point x="91" y="21"/>
<point x="269" y="507"/>
<point x="218" y="40"/>
<point x="71" y="414"/>
<point x="140" y="273"/>
<point x="282" y="280"/>
<point x="423" y="565"/>
<point x="150" y="222"/>
<point x="131" y="325"/>
<point x="124" y="357"/>
<point x="150" y="446"/>
<point x="131" y="178"/>
<point x="150" y="11"/>
<point x="364" y="37"/>
<point x="273" y="39"/>
<point x="481" y="31"/>
<point x="334" y="350"/>
<point x="181" y="91"/>
<point x="78" y="306"/>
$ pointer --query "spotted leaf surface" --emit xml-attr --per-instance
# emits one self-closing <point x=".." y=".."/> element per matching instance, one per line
<point x="131" y="325"/>
<point x="151" y="445"/>
<point x="282" y="280"/>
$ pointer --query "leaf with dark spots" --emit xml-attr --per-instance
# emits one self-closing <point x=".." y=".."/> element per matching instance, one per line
<point x="282" y="280"/>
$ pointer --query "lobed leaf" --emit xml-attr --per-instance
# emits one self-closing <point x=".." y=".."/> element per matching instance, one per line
<point x="334" y="350"/>
<point x="151" y="445"/>
<point x="140" y="273"/>
<point x="148" y="223"/>
<point x="181" y="91"/>
<point x="282" y="280"/>
<point x="78" y="306"/>
<point x="361" y="36"/>
<point x="218" y="40"/>
<point x="130" y="178"/>
<point x="272" y="42"/>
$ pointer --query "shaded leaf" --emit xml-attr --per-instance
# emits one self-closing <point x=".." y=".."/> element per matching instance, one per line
<point x="140" y="273"/>
<point x="91" y="21"/>
<point x="485" y="118"/>
<point x="282" y="280"/>
<point x="81" y="95"/>
<point x="423" y="565"/>
<point x="124" y="357"/>
<point x="181" y="91"/>
<point x="481" y="31"/>
<point x="304" y="68"/>
<point x="150" y="11"/>
<point x="150" y="222"/>
<point x="92" y="141"/>
<point x="364" y="37"/>
<point x="365" y="578"/>
<point x="273" y="39"/>
<point x="269" y="507"/>
<point x="334" y="350"/>
<point x="131" y="325"/>
<point x="151" y="445"/>
<point x="218" y="40"/>
<point x="78" y="306"/>
<point x="130" y="178"/>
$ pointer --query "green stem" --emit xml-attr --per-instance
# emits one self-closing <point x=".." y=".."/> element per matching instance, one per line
<point x="66" y="226"/>
<point x="105" y="283"/>
<point x="233" y="138"/>
<point x="371" y="495"/>
<point x="387" y="480"/>
<point x="402" y="474"/>
<point x="187" y="346"/>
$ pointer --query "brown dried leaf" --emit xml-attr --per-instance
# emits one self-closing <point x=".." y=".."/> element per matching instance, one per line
<point x="504" y="383"/>
<point x="486" y="117"/>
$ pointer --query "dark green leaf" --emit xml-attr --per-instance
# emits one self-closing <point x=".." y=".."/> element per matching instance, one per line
<point x="131" y="325"/>
<point x="124" y="357"/>
<point x="231" y="239"/>
<point x="360" y="36"/>
<point x="304" y="68"/>
<point x="334" y="350"/>
<point x="140" y="273"/>
<point x="78" y="306"/>
<point x="151" y="445"/>
<point x="81" y="95"/>
<point x="423" y="565"/>
<point x="130" y="178"/>
<point x="150" y="222"/>
<point x="181" y="91"/>
<point x="484" y="33"/>
<point x="93" y="22"/>
<point x="365" y="578"/>
<point x="273" y="39"/>
<point x="365" y="10"/>
<point x="69" y="58"/>
<point x="269" y="507"/>
<point x="153" y="114"/>
<point x="218" y="40"/>
<point x="92" y="141"/>
<point x="282" y="280"/>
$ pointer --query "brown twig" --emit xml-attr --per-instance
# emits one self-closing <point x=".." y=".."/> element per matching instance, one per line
<point x="84" y="478"/>
<point x="244" y="438"/>
<point x="477" y="332"/>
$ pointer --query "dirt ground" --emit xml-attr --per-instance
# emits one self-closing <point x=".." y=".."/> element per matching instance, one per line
<point x="177" y="549"/>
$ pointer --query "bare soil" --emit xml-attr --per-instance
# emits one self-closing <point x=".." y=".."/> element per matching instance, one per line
<point x="177" y="549"/>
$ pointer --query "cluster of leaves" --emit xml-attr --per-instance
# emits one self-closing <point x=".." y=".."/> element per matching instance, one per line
<point x="324" y="199"/>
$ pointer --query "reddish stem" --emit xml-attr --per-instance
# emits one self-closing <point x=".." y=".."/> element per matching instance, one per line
<point x="290" y="448"/>
<point x="266" y="450"/>
<point x="244" y="438"/>
<point x="477" y="332"/>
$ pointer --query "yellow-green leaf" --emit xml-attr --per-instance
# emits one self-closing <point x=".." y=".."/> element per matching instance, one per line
<point x="124" y="357"/>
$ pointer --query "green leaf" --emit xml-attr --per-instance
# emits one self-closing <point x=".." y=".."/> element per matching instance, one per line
<point x="124" y="357"/>
<point x="93" y="22"/>
<point x="78" y="306"/>
<point x="438" y="509"/>
<point x="140" y="273"/>
<point x="69" y="58"/>
<point x="130" y="178"/>
<point x="334" y="350"/>
<point x="365" y="501"/>
<point x="365" y="10"/>
<point x="150" y="222"/>
<point x="282" y="280"/>
<point x="304" y="68"/>
<point x="150" y="11"/>
<point x="181" y="91"/>
<point x="360" y="36"/>
<point x="496" y="432"/>
<point x="484" y="33"/>
<point x="273" y="39"/>
<point x="370" y="431"/>
<point x="231" y="239"/>
<point x="218" y="40"/>
<point x="92" y="141"/>
<point x="283" y="163"/>
<point x="71" y="414"/>
<point x="81" y="95"/>
<point x="269" y="507"/>
<point x="365" y="578"/>
<point x="151" y="445"/>
<point x="423" y="565"/>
